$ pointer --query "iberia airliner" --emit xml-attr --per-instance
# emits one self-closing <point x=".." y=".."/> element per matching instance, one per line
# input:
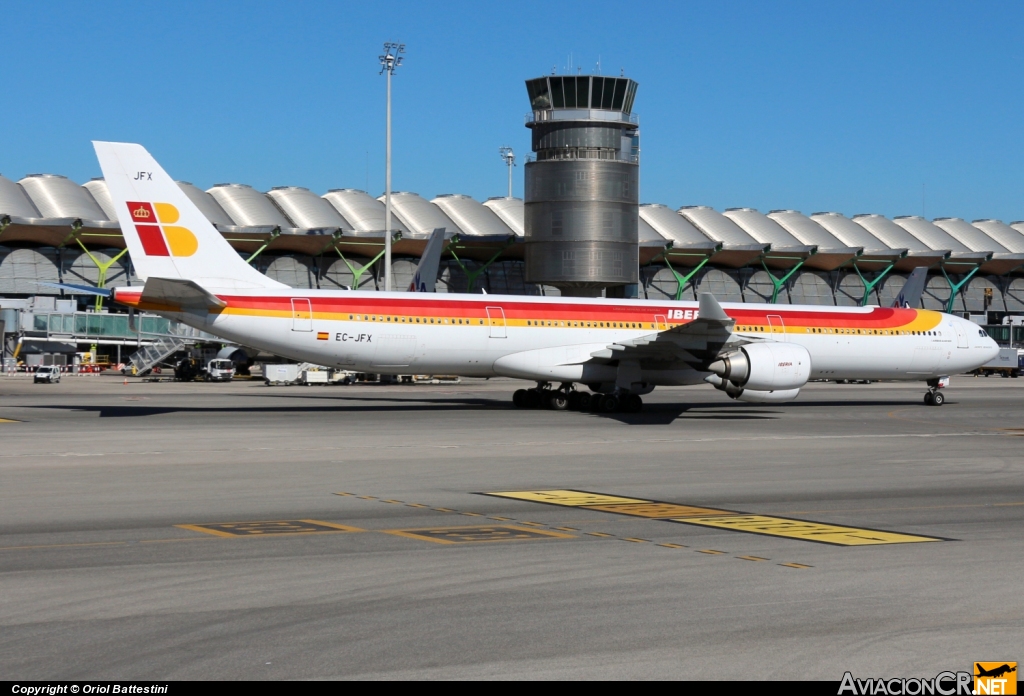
<point x="620" y="349"/>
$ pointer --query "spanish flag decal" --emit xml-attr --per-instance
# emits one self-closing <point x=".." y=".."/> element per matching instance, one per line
<point x="321" y="335"/>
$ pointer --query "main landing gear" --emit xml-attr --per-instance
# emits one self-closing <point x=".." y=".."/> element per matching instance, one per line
<point x="933" y="397"/>
<point x="567" y="398"/>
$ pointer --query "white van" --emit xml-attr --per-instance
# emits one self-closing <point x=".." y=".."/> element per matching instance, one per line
<point x="47" y="373"/>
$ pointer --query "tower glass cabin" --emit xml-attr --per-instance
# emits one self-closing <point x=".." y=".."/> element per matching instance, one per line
<point x="582" y="187"/>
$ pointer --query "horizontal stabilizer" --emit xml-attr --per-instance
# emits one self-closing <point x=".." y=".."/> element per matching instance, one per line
<point x="78" y="289"/>
<point x="175" y="292"/>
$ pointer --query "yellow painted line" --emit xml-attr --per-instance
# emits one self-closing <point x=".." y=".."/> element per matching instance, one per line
<point x="673" y="546"/>
<point x="795" y="565"/>
<point x="714" y="517"/>
<point x="638" y="541"/>
<point x="471" y="514"/>
<point x="806" y="531"/>
<point x="9" y="420"/>
<point x="443" y="510"/>
<point x="710" y="551"/>
<point x="751" y="558"/>
<point x="398" y="502"/>
<point x="565" y="497"/>
<point x="568" y="529"/>
<point x="416" y="505"/>
<point x="653" y="510"/>
<point x="344" y="494"/>
<point x="500" y="519"/>
<point x="476" y="534"/>
<point x="533" y="524"/>
<point x="204" y="530"/>
<point x="598" y="534"/>
<point x="367" y="497"/>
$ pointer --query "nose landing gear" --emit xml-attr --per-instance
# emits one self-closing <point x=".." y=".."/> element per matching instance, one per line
<point x="933" y="397"/>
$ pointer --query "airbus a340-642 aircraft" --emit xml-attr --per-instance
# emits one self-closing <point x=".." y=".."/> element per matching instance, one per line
<point x="620" y="349"/>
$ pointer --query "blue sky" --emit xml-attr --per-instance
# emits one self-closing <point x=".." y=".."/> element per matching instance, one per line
<point x="888" y="107"/>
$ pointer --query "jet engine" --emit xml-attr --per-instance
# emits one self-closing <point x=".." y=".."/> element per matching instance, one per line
<point x="765" y="367"/>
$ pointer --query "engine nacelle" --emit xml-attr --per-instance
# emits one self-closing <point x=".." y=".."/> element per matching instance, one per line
<point x="767" y="367"/>
<point x="753" y="396"/>
<point x="760" y="397"/>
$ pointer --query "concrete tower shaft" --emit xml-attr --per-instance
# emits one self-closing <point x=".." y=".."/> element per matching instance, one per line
<point x="582" y="189"/>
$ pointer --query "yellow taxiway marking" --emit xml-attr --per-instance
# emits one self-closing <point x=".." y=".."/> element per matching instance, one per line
<point x="9" y="420"/>
<point x="367" y="497"/>
<point x="597" y="534"/>
<point x="268" y="528"/>
<point x="568" y="529"/>
<point x="751" y="558"/>
<point x="476" y="534"/>
<point x="396" y="502"/>
<point x="710" y="551"/>
<point x="565" y="497"/>
<point x="654" y="510"/>
<point x="795" y="565"/>
<point x="638" y="541"/>
<point x="732" y="520"/>
<point x="673" y="546"/>
<point x="807" y="531"/>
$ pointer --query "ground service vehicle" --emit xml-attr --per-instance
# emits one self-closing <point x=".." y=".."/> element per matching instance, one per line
<point x="49" y="374"/>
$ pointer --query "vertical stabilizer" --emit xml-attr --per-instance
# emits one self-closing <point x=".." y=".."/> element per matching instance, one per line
<point x="167" y="236"/>
<point x="426" y="271"/>
<point x="910" y="295"/>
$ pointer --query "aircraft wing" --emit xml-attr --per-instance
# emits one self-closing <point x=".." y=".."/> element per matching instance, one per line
<point x="696" y="343"/>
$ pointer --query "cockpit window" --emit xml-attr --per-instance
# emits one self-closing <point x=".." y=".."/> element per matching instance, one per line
<point x="981" y="332"/>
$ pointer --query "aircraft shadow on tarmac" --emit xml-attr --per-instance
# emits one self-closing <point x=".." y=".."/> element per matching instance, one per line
<point x="653" y="414"/>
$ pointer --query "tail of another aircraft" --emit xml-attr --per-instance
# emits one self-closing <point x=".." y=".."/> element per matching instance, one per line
<point x="167" y="236"/>
<point x="426" y="271"/>
<point x="910" y="295"/>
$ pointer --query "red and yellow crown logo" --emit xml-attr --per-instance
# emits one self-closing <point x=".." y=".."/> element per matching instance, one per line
<point x="163" y="239"/>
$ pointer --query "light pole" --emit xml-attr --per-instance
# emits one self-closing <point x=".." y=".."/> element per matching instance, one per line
<point x="510" y="159"/>
<point x="388" y="63"/>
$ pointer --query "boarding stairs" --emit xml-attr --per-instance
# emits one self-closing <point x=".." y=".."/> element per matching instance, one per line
<point x="149" y="356"/>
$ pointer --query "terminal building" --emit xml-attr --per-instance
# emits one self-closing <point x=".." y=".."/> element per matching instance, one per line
<point x="580" y="231"/>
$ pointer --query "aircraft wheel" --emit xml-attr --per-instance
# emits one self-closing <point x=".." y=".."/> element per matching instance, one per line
<point x="574" y="401"/>
<point x="632" y="404"/>
<point x="532" y="399"/>
<point x="585" y="401"/>
<point x="519" y="398"/>
<point x="558" y="401"/>
<point x="610" y="403"/>
<point x="929" y="398"/>
<point x="938" y="399"/>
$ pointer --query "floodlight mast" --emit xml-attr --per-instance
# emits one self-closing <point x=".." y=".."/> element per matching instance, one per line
<point x="510" y="159"/>
<point x="389" y="62"/>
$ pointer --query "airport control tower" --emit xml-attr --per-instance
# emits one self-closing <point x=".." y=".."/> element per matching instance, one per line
<point x="582" y="197"/>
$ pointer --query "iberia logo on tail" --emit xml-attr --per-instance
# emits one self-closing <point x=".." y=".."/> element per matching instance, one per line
<point x="160" y="237"/>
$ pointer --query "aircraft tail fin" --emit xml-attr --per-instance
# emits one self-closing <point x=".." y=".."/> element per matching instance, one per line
<point x="910" y="295"/>
<point x="426" y="272"/>
<point x="167" y="236"/>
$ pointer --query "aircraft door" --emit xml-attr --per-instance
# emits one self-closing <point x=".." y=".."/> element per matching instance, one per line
<point x="776" y="324"/>
<point x="302" y="315"/>
<point x="496" y="320"/>
<point x="961" y="334"/>
<point x="661" y="322"/>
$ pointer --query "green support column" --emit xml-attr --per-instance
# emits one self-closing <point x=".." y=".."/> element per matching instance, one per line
<point x="103" y="268"/>
<point x="954" y="288"/>
<point x="683" y="280"/>
<point x="870" y="285"/>
<point x="473" y="275"/>
<point x="273" y="235"/>
<point x="356" y="270"/>
<point x="777" y="283"/>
